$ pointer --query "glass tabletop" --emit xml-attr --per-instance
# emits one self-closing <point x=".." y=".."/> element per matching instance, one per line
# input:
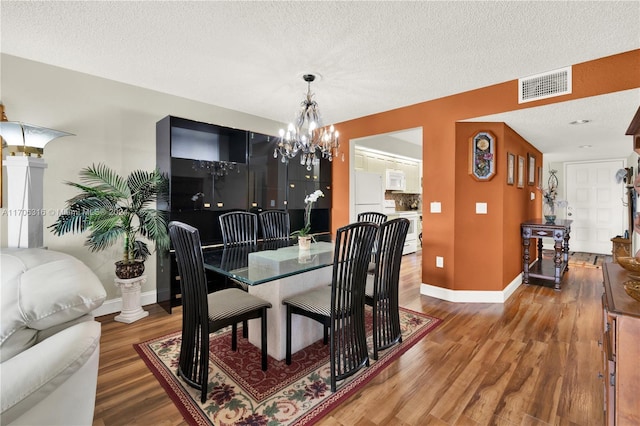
<point x="269" y="261"/>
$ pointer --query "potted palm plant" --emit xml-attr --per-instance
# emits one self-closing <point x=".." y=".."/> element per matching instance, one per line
<point x="115" y="208"/>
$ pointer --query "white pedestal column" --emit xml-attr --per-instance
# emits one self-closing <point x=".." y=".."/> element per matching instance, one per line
<point x="24" y="201"/>
<point x="131" y="309"/>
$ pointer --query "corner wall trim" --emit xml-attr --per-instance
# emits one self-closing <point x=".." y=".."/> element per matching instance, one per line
<point x="471" y="296"/>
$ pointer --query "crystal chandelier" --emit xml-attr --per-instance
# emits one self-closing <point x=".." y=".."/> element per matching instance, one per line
<point x="307" y="136"/>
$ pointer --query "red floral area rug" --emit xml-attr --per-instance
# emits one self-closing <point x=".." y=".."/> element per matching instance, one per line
<point x="240" y="393"/>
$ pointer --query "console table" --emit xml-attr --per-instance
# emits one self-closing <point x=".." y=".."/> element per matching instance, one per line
<point x="559" y="230"/>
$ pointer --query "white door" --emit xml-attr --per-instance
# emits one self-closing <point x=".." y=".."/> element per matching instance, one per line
<point x="595" y="205"/>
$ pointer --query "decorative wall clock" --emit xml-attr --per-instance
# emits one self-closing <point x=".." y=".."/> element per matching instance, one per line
<point x="482" y="156"/>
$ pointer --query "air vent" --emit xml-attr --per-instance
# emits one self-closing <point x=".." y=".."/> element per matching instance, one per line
<point x="545" y="85"/>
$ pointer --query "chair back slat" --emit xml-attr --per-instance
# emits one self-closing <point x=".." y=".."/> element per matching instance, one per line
<point x="239" y="228"/>
<point x="349" y="350"/>
<point x="275" y="225"/>
<point x="194" y="362"/>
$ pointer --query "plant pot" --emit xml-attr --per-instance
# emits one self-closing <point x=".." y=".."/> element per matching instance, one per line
<point x="304" y="243"/>
<point x="126" y="270"/>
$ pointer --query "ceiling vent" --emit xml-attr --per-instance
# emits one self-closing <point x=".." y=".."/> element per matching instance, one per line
<point x="545" y="85"/>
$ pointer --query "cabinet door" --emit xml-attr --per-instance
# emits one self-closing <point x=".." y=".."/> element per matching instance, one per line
<point x="360" y="160"/>
<point x="267" y="175"/>
<point x="376" y="164"/>
<point x="230" y="186"/>
<point x="412" y="174"/>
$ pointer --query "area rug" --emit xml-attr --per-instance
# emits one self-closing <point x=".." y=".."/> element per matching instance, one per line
<point x="586" y="260"/>
<point x="240" y="393"/>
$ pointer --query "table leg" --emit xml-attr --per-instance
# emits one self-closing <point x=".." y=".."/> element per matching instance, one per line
<point x="565" y="249"/>
<point x="525" y="257"/>
<point x="557" y="258"/>
<point x="540" y="250"/>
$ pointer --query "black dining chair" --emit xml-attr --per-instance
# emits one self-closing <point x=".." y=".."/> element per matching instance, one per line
<point x="239" y="227"/>
<point x="378" y="219"/>
<point x="340" y="307"/>
<point x="204" y="313"/>
<point x="381" y="291"/>
<point x="275" y="225"/>
<point x="375" y="217"/>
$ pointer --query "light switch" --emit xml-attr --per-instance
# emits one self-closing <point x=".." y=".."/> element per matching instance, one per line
<point x="533" y="195"/>
<point x="439" y="262"/>
<point x="436" y="207"/>
<point x="481" y="208"/>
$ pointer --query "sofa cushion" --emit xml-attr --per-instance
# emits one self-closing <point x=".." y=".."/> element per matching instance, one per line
<point x="42" y="289"/>
<point x="32" y="375"/>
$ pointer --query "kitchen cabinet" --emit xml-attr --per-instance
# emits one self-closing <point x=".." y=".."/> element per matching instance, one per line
<point x="620" y="349"/>
<point x="412" y="176"/>
<point x="380" y="163"/>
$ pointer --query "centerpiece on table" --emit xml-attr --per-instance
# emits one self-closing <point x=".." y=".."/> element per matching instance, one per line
<point x="304" y="234"/>
<point x="549" y="198"/>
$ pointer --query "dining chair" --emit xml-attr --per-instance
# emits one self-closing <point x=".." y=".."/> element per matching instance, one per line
<point x="375" y="217"/>
<point x="340" y="307"/>
<point x="275" y="225"/>
<point x="381" y="290"/>
<point x="204" y="313"/>
<point x="239" y="227"/>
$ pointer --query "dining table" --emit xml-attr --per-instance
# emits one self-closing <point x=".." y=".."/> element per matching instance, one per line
<point x="275" y="270"/>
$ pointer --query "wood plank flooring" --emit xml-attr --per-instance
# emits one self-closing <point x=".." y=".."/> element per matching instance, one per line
<point x="531" y="361"/>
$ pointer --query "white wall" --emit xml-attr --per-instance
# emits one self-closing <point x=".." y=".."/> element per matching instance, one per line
<point x="114" y="123"/>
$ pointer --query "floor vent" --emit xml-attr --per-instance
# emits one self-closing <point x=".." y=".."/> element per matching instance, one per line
<point x="545" y="85"/>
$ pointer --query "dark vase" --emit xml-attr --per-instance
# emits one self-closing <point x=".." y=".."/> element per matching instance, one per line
<point x="129" y="270"/>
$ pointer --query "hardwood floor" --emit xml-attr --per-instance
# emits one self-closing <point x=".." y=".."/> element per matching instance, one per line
<point x="531" y="361"/>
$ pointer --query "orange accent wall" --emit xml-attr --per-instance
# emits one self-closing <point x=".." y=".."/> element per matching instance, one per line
<point x="458" y="234"/>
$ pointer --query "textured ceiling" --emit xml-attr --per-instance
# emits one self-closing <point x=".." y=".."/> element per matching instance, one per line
<point x="371" y="56"/>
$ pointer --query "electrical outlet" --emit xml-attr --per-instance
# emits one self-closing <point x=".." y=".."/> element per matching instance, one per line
<point x="439" y="262"/>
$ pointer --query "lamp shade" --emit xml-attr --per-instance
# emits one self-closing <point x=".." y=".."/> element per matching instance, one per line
<point x="20" y="134"/>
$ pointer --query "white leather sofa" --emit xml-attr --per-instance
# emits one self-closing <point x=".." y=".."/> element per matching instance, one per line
<point x="49" y="341"/>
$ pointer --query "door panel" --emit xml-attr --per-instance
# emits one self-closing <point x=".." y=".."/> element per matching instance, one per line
<point x="595" y="205"/>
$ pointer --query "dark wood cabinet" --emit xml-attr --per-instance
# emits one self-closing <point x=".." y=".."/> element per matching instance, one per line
<point x="620" y="349"/>
<point x="215" y="169"/>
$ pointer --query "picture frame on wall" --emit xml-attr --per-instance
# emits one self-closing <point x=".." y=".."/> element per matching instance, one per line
<point x="520" y="171"/>
<point x="511" y="168"/>
<point x="539" y="176"/>
<point x="482" y="156"/>
<point x="531" y="168"/>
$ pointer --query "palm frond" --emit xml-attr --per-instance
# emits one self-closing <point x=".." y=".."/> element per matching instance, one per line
<point x="103" y="179"/>
<point x="144" y="187"/>
<point x="99" y="240"/>
<point x="153" y="225"/>
<point x="140" y="250"/>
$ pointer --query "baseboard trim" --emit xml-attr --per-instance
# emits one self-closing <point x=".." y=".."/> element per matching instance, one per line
<point x="113" y="306"/>
<point x="471" y="296"/>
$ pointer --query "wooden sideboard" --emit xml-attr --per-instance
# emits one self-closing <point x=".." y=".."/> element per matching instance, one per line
<point x="546" y="269"/>
<point x="620" y="349"/>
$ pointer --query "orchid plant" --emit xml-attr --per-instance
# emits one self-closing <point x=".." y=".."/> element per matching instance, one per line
<point x="309" y="200"/>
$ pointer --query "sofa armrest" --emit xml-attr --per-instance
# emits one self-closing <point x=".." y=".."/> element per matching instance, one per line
<point x="29" y="377"/>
